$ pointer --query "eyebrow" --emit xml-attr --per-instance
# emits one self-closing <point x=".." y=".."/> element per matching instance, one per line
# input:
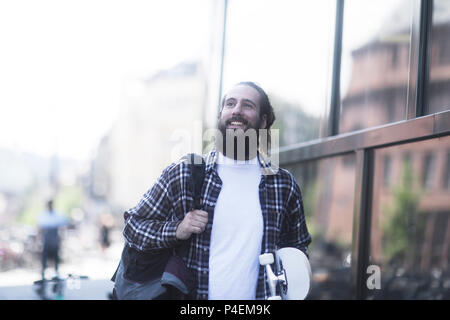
<point x="245" y="100"/>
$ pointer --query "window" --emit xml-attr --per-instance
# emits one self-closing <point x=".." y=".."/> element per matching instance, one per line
<point x="410" y="228"/>
<point x="395" y="56"/>
<point x="328" y="187"/>
<point x="407" y="158"/>
<point x="446" y="181"/>
<point x="387" y="170"/>
<point x="287" y="48"/>
<point x="439" y="80"/>
<point x="429" y="164"/>
<point x="375" y="62"/>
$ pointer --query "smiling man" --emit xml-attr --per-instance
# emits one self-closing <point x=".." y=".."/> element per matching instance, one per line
<point x="241" y="119"/>
<point x="250" y="206"/>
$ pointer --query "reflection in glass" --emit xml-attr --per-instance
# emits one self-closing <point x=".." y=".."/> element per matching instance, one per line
<point x="328" y="193"/>
<point x="286" y="47"/>
<point x="428" y="170"/>
<point x="446" y="180"/>
<point x="439" y="86"/>
<point x="375" y="63"/>
<point x="387" y="170"/>
<point x="410" y="228"/>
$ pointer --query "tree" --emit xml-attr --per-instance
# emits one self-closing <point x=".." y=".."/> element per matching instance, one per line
<point x="400" y="226"/>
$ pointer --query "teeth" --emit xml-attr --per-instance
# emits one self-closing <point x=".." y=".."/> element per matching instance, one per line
<point x="236" y="123"/>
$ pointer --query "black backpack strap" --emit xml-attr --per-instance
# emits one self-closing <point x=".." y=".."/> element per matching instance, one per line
<point x="197" y="167"/>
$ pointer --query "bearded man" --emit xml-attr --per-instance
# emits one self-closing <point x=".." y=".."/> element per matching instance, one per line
<point x="249" y="206"/>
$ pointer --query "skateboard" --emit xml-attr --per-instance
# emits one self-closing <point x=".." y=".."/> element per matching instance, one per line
<point x="53" y="289"/>
<point x="291" y="277"/>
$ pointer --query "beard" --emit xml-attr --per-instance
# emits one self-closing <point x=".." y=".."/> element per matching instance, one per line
<point x="238" y="144"/>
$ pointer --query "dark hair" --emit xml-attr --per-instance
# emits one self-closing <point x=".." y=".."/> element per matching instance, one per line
<point x="50" y="205"/>
<point x="265" y="107"/>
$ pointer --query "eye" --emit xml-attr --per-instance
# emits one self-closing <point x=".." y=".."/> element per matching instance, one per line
<point x="229" y="103"/>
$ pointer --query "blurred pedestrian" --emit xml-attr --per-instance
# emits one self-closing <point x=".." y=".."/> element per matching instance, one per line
<point x="50" y="222"/>
<point x="106" y="224"/>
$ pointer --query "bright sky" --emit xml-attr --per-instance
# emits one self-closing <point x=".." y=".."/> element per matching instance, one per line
<point x="63" y="64"/>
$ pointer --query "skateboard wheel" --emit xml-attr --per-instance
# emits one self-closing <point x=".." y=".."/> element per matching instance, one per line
<point x="266" y="258"/>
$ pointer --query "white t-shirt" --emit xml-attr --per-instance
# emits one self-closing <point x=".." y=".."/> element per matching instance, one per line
<point x="48" y="220"/>
<point x="236" y="232"/>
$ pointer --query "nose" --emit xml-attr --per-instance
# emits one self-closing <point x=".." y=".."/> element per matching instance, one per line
<point x="237" y="109"/>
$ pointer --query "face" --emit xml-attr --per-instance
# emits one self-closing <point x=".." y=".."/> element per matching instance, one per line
<point x="241" y="110"/>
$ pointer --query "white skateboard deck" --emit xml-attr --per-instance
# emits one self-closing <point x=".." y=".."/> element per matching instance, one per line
<point x="292" y="276"/>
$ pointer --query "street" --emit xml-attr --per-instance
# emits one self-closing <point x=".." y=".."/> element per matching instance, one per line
<point x="17" y="284"/>
<point x="88" y="290"/>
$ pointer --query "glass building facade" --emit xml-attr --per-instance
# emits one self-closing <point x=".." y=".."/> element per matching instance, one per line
<point x="361" y="91"/>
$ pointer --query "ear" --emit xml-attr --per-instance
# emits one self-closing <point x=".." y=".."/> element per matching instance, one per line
<point x="264" y="122"/>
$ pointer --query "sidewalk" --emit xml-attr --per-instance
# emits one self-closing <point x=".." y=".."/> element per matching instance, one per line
<point x="18" y="284"/>
<point x="88" y="290"/>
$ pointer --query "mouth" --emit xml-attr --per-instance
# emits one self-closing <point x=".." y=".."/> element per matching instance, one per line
<point x="236" y="124"/>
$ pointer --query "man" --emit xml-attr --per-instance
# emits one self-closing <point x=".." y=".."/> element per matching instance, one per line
<point x="249" y="206"/>
<point x="49" y="223"/>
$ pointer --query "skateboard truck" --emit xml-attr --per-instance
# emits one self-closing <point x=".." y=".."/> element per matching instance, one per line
<point x="274" y="279"/>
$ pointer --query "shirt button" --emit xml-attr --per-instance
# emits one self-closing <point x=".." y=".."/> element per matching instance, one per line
<point x="205" y="249"/>
<point x="205" y="272"/>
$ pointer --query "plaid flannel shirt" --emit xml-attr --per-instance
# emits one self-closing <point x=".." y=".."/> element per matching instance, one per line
<point x="152" y="223"/>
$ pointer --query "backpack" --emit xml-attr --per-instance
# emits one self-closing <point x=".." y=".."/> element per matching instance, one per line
<point x="163" y="275"/>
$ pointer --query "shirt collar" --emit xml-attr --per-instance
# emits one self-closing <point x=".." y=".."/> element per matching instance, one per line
<point x="267" y="168"/>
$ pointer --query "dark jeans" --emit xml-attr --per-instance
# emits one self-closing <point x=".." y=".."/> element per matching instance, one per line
<point x="50" y="253"/>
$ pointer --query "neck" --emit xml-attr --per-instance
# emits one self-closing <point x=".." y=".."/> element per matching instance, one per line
<point x="224" y="159"/>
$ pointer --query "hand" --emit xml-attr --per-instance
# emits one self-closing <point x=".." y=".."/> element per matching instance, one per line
<point x="193" y="222"/>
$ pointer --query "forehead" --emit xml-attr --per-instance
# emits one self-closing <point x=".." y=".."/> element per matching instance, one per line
<point x="241" y="92"/>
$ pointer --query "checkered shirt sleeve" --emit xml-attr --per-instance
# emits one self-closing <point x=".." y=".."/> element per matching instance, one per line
<point x="149" y="225"/>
